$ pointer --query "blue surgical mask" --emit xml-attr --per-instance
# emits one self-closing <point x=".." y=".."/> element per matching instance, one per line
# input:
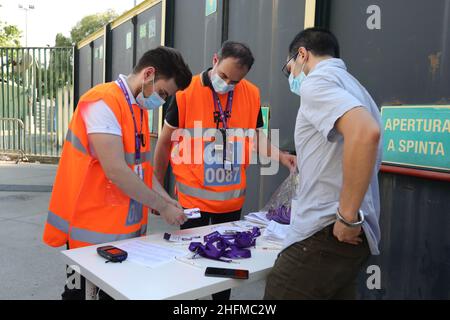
<point x="296" y="83"/>
<point x="220" y="85"/>
<point x="154" y="101"/>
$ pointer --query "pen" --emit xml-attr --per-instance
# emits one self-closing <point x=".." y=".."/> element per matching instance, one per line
<point x="268" y="248"/>
<point x="188" y="261"/>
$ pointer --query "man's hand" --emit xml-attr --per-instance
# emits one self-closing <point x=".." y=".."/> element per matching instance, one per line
<point x="175" y="203"/>
<point x="288" y="160"/>
<point x="347" y="234"/>
<point x="173" y="215"/>
<point x="171" y="201"/>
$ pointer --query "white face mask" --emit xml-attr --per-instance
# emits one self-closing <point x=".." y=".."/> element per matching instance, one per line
<point x="151" y="102"/>
<point x="295" y="83"/>
<point x="220" y="85"/>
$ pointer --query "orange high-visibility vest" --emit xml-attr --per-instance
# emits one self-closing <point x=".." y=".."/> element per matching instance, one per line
<point x="205" y="184"/>
<point x="85" y="207"/>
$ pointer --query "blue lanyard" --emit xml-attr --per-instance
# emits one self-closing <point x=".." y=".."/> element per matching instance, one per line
<point x="218" y="105"/>
<point x="137" y="136"/>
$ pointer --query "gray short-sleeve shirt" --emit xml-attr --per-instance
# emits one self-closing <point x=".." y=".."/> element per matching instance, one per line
<point x="327" y="93"/>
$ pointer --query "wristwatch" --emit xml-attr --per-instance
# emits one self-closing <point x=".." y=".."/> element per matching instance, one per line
<point x="340" y="218"/>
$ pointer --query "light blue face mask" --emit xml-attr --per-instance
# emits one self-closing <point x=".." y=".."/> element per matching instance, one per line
<point x="154" y="101"/>
<point x="220" y="85"/>
<point x="296" y="83"/>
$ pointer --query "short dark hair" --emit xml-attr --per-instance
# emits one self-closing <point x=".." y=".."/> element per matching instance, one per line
<point x="168" y="63"/>
<point x="239" y="51"/>
<point x="321" y="42"/>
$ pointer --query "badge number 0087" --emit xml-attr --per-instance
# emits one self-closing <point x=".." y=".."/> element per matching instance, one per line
<point x="215" y="174"/>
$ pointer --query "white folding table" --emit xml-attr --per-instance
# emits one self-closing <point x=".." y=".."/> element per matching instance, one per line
<point x="173" y="280"/>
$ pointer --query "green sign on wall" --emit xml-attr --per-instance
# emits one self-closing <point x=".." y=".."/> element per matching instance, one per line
<point x="417" y="136"/>
<point x="210" y="7"/>
<point x="266" y="117"/>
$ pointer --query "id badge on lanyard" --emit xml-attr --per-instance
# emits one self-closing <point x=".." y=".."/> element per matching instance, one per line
<point x="227" y="146"/>
<point x="139" y="171"/>
<point x="224" y="151"/>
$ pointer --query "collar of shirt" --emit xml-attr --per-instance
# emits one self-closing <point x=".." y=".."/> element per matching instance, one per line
<point x="206" y="81"/>
<point x="124" y="79"/>
<point x="332" y="62"/>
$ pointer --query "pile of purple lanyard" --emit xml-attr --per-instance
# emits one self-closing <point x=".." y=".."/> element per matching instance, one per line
<point x="281" y="215"/>
<point x="233" y="246"/>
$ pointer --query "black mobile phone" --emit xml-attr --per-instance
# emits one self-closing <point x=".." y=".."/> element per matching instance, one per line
<point x="112" y="254"/>
<point x="226" y="273"/>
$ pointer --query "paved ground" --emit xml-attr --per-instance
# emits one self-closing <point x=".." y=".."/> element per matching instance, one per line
<point x="28" y="268"/>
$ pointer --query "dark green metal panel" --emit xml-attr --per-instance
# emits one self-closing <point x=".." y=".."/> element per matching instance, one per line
<point x="85" y="69"/>
<point x="407" y="61"/>
<point x="197" y="36"/>
<point x="97" y="60"/>
<point x="415" y="244"/>
<point x="148" y="30"/>
<point x="123" y="44"/>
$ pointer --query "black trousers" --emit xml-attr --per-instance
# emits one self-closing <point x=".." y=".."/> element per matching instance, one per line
<point x="214" y="218"/>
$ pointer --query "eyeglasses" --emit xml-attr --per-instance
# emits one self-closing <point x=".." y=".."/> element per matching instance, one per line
<point x="285" y="70"/>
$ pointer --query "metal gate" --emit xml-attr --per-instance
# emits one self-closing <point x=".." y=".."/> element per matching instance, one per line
<point x="36" y="99"/>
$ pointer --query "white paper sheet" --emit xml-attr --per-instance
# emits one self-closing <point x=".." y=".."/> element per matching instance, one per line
<point x="245" y="224"/>
<point x="258" y="217"/>
<point x="229" y="229"/>
<point x="185" y="238"/>
<point x="150" y="255"/>
<point x="276" y="231"/>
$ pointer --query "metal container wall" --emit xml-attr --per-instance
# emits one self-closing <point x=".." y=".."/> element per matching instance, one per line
<point x="415" y="242"/>
<point x="407" y="61"/>
<point x="98" y="52"/>
<point x="123" y="39"/>
<point x="149" y="30"/>
<point x="84" y="73"/>
<point x="197" y="36"/>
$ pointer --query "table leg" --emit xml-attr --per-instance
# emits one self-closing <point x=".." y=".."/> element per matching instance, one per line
<point x="91" y="291"/>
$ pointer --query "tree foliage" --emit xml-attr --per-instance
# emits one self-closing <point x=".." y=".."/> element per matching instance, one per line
<point x="9" y="35"/>
<point x="62" y="41"/>
<point x="90" y="24"/>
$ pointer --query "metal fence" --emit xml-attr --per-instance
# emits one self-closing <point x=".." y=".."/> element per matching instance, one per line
<point x="36" y="96"/>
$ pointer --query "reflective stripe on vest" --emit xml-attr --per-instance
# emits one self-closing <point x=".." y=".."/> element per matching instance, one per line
<point x="210" y="132"/>
<point x="62" y="225"/>
<point x="57" y="222"/>
<point x="93" y="237"/>
<point x="210" y="195"/>
<point x="76" y="142"/>
<point x="130" y="158"/>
